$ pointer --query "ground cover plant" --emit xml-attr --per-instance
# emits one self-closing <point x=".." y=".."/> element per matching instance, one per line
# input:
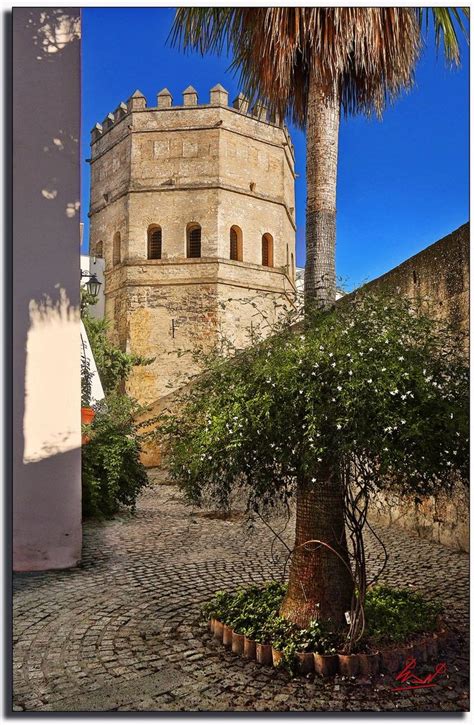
<point x="393" y="615"/>
<point x="374" y="389"/>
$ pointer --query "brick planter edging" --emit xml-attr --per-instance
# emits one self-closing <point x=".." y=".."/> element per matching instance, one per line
<point x="390" y="659"/>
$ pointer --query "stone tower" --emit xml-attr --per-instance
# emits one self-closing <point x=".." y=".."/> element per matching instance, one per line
<point x="192" y="207"/>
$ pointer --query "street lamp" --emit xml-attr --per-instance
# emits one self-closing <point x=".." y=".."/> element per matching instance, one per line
<point x="93" y="285"/>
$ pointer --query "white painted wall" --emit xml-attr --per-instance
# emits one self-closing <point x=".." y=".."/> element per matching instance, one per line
<point x="97" y="392"/>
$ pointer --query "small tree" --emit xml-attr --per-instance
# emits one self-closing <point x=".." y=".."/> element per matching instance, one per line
<point x="374" y="387"/>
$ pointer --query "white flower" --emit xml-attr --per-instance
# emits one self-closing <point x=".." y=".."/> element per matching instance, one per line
<point x="350" y="372"/>
<point x="394" y="392"/>
<point x="321" y="347"/>
<point x="403" y="397"/>
<point x="333" y="365"/>
<point x="384" y="369"/>
<point x="369" y="380"/>
<point x="339" y="388"/>
<point x="301" y="392"/>
<point x="331" y="355"/>
<point x="402" y="422"/>
<point x="401" y="358"/>
<point x="333" y="400"/>
<point x="371" y="349"/>
<point x="385" y="449"/>
<point x="313" y="480"/>
<point x="320" y="460"/>
<point x="339" y="426"/>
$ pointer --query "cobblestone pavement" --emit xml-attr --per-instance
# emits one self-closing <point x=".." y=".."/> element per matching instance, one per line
<point x="123" y="632"/>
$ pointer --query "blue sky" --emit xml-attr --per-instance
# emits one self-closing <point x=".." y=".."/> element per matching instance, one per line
<point x="403" y="182"/>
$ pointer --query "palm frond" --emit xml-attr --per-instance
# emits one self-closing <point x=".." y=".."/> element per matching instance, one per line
<point x="366" y="56"/>
<point x="444" y="22"/>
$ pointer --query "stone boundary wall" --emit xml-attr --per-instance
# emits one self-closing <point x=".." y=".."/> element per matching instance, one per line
<point x="439" y="276"/>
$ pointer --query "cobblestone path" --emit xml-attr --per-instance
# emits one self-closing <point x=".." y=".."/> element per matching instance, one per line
<point x="123" y="632"/>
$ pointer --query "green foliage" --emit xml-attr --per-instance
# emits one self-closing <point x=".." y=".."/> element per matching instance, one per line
<point x="113" y="365"/>
<point x="248" y="611"/>
<point x="86" y="382"/>
<point x="393" y="615"/>
<point x="87" y="299"/>
<point x="112" y="474"/>
<point x="372" y="384"/>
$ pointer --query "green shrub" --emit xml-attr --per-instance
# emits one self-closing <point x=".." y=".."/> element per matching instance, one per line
<point x="112" y="474"/>
<point x="86" y="382"/>
<point x="393" y="615"/>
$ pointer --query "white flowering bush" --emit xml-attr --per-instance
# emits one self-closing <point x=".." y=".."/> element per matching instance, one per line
<point x="373" y="382"/>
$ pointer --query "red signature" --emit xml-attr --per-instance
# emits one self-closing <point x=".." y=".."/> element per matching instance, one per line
<point x="412" y="681"/>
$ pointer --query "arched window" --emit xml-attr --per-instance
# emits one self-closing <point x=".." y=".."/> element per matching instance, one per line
<point x="236" y="244"/>
<point x="116" y="256"/>
<point x="154" y="242"/>
<point x="99" y="249"/>
<point x="267" y="250"/>
<point x="193" y="241"/>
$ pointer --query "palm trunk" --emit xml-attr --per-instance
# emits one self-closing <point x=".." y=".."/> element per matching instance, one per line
<point x="320" y="584"/>
<point x="322" y="130"/>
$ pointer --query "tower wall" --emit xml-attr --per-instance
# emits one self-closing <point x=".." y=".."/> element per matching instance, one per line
<point x="171" y="166"/>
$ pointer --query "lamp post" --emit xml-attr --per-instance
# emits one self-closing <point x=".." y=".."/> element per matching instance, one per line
<point x="93" y="285"/>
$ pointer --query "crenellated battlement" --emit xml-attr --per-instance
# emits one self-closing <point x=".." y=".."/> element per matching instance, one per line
<point x="218" y="97"/>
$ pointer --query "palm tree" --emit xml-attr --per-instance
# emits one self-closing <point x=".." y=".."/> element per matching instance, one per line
<point x="311" y="64"/>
